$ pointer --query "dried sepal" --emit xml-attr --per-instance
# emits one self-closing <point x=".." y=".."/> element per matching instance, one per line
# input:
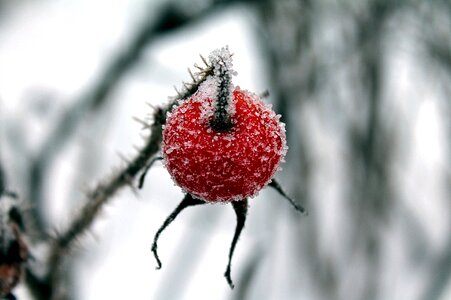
<point x="187" y="201"/>
<point x="275" y="185"/>
<point x="240" y="208"/>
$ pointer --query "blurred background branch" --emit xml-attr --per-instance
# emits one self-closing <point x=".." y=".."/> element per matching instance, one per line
<point x="364" y="88"/>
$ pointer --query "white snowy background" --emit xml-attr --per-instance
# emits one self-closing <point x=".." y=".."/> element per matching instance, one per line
<point x="52" y="50"/>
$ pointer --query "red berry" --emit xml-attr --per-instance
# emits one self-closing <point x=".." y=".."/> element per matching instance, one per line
<point x="223" y="165"/>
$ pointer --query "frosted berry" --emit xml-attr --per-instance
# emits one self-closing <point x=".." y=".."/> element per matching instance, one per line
<point x="221" y="144"/>
<point x="223" y="165"/>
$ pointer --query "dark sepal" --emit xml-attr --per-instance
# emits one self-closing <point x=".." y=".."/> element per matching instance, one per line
<point x="240" y="208"/>
<point x="274" y="184"/>
<point x="187" y="201"/>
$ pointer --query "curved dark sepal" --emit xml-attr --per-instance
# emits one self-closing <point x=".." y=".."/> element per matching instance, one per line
<point x="275" y="185"/>
<point x="240" y="208"/>
<point x="187" y="201"/>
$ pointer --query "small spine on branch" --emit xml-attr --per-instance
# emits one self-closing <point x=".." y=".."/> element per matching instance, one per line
<point x="189" y="89"/>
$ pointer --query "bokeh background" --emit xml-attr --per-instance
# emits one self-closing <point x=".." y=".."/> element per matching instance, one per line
<point x="363" y="86"/>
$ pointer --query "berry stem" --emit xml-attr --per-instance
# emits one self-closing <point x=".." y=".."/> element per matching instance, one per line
<point x="221" y="121"/>
<point x="187" y="201"/>
<point x="240" y="208"/>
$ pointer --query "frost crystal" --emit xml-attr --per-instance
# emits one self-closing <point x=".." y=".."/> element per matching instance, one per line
<point x="221" y="59"/>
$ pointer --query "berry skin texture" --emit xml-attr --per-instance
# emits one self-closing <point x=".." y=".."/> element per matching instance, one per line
<point x="223" y="166"/>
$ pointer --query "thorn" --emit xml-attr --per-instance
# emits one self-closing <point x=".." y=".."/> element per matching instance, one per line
<point x="192" y="75"/>
<point x="153" y="107"/>
<point x="142" y="122"/>
<point x="275" y="185"/>
<point x="199" y="68"/>
<point x="187" y="86"/>
<point x="204" y="60"/>
<point x="123" y="157"/>
<point x="178" y="93"/>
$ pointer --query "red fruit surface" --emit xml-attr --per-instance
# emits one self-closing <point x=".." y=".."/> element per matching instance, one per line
<point x="223" y="166"/>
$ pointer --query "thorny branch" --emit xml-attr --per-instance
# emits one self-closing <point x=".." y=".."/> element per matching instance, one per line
<point x="100" y="196"/>
<point x="104" y="192"/>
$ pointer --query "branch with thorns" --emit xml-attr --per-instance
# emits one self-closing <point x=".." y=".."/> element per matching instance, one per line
<point x="104" y="191"/>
